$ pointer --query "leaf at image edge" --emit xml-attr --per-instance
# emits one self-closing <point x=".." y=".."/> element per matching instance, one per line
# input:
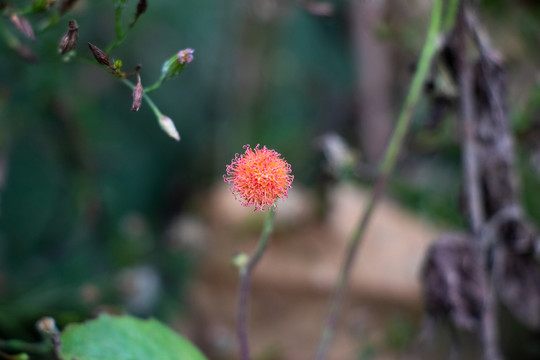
<point x="125" y="338"/>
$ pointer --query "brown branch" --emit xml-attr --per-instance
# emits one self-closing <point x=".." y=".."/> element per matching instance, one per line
<point x="472" y="179"/>
<point x="468" y="130"/>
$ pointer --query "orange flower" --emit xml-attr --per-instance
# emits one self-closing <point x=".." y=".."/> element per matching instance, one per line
<point x="259" y="177"/>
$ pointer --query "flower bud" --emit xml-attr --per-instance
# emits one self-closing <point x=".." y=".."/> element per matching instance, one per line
<point x="100" y="56"/>
<point x="69" y="40"/>
<point x="22" y="25"/>
<point x="142" y="5"/>
<point x="137" y="95"/>
<point x="168" y="126"/>
<point x="175" y="65"/>
<point x="185" y="56"/>
<point x="66" y="5"/>
<point x="47" y="325"/>
<point x="240" y="260"/>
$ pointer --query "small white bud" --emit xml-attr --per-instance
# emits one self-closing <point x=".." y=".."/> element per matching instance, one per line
<point x="168" y="126"/>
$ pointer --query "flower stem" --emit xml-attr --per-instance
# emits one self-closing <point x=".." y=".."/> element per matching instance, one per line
<point x="155" y="85"/>
<point x="245" y="279"/>
<point x="120" y="34"/>
<point x="451" y="15"/>
<point x="387" y="165"/>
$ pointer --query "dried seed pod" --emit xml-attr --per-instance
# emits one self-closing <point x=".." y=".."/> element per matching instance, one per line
<point x="66" y="5"/>
<point x="137" y="95"/>
<point x="100" y="56"/>
<point x="69" y="40"/>
<point x="142" y="5"/>
<point x="22" y="25"/>
<point x="453" y="286"/>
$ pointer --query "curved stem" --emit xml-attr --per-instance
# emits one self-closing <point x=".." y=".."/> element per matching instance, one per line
<point x="243" y="289"/>
<point x="155" y="85"/>
<point x="386" y="168"/>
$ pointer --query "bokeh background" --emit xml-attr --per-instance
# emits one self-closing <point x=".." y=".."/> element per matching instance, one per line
<point x="101" y="211"/>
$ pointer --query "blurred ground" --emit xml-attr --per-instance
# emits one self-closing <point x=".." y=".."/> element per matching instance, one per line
<point x="292" y="283"/>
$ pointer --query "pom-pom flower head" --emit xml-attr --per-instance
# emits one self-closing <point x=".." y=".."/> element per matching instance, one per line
<point x="259" y="177"/>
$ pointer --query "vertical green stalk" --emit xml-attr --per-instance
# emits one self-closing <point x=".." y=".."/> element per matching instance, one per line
<point x="451" y="15"/>
<point x="245" y="271"/>
<point x="403" y="123"/>
<point x="118" y="20"/>
<point x="120" y="34"/>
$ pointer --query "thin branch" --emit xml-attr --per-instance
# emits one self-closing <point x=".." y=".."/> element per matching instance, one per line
<point x="467" y="115"/>
<point x="475" y="200"/>
<point x="488" y="55"/>
<point x="489" y="236"/>
<point x="387" y="166"/>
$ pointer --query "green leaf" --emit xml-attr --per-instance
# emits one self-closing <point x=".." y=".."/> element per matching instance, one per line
<point x="125" y="338"/>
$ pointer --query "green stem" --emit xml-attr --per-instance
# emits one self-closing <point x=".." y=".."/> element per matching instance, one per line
<point x="451" y="15"/>
<point x="120" y="35"/>
<point x="245" y="279"/>
<point x="23" y="346"/>
<point x="118" y="20"/>
<point x="155" y="85"/>
<point x="387" y="165"/>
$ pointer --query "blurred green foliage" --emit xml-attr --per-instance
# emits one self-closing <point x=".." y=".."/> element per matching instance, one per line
<point x="80" y="168"/>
